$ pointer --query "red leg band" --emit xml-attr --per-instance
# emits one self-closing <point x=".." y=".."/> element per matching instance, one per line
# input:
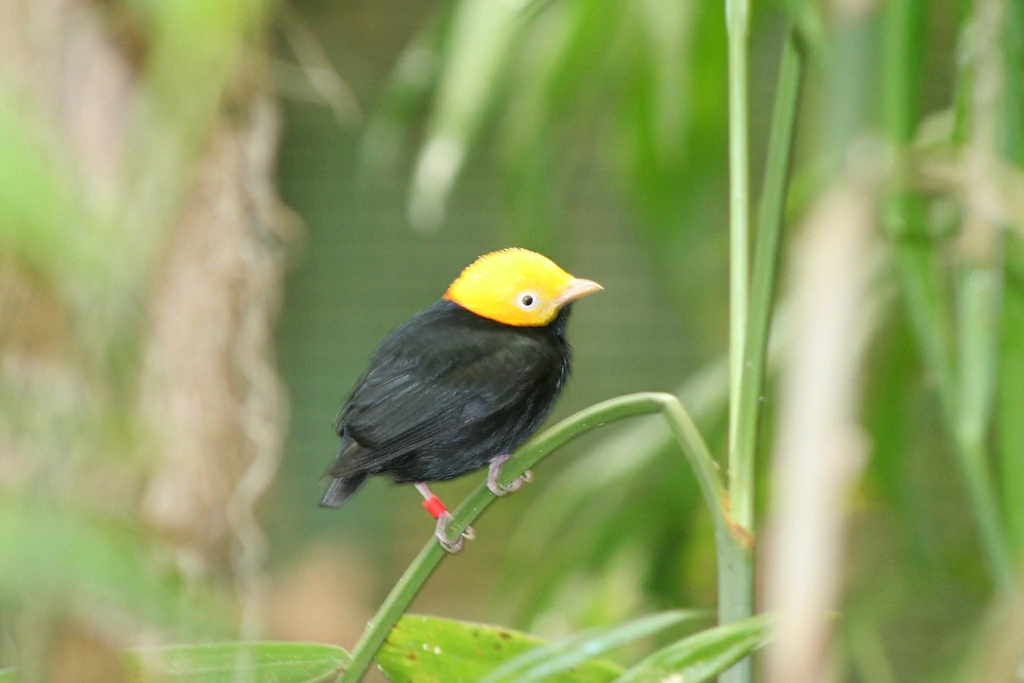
<point x="434" y="506"/>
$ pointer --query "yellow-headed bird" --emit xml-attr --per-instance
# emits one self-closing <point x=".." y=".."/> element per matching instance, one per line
<point x="462" y="383"/>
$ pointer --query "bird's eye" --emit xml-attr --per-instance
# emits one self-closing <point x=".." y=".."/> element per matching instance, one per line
<point x="527" y="301"/>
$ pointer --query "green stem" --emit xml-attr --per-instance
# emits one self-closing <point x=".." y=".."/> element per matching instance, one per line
<point x="729" y="544"/>
<point x="1012" y="128"/>
<point x="773" y="199"/>
<point x="1011" y="391"/>
<point x="736" y="580"/>
<point x="980" y="306"/>
<point x="965" y="390"/>
<point x="738" y="23"/>
<point x="1010" y="434"/>
<point x="735" y="575"/>
<point x="965" y="413"/>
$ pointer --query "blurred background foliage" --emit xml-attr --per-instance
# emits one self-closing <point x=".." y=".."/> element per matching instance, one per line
<point x="142" y="252"/>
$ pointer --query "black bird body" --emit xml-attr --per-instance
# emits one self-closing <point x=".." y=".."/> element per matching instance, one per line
<point x="444" y="394"/>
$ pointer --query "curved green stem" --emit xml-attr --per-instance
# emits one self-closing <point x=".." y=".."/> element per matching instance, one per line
<point x="729" y="544"/>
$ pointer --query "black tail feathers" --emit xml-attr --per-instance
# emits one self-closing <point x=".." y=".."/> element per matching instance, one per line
<point x="341" y="488"/>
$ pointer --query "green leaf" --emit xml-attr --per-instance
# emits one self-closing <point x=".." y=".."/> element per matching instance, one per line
<point x="66" y="560"/>
<point x="1011" y="395"/>
<point x="9" y="676"/>
<point x="810" y="25"/>
<point x="415" y="72"/>
<point x="44" y="220"/>
<point x="694" y="449"/>
<point x="702" y="656"/>
<point x="541" y="662"/>
<point x="430" y="650"/>
<point x="482" y="35"/>
<point x="267" y="662"/>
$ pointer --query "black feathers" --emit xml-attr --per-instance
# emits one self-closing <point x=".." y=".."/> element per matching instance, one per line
<point x="444" y="394"/>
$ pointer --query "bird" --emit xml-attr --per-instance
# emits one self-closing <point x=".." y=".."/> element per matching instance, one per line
<point x="461" y="384"/>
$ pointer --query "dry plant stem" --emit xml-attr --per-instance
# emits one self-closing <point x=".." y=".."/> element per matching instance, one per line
<point x="820" y="447"/>
<point x="261" y="415"/>
<point x="1001" y="641"/>
<point x="729" y="545"/>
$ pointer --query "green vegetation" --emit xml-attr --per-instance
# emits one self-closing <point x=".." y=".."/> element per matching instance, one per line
<point x="808" y="222"/>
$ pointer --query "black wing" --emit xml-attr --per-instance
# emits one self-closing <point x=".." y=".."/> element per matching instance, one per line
<point x="399" y="407"/>
<point x="429" y="382"/>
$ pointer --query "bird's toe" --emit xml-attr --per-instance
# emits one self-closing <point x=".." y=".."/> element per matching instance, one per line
<point x="499" y="489"/>
<point x="441" y="533"/>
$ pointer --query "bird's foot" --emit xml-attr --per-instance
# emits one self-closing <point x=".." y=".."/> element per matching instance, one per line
<point x="437" y="509"/>
<point x="494" y="471"/>
<point x="441" y="532"/>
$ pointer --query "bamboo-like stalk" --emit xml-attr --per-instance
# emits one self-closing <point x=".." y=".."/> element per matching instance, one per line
<point x="736" y="581"/>
<point x="729" y="544"/>
<point x="738" y="24"/>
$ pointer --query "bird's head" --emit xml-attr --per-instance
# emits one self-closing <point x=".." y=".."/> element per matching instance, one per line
<point x="517" y="287"/>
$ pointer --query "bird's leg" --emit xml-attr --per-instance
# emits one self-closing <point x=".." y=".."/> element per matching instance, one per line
<point x="439" y="512"/>
<point x="494" y="471"/>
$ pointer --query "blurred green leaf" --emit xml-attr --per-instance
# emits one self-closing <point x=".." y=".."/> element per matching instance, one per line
<point x="704" y="655"/>
<point x="667" y="30"/>
<point x="199" y="57"/>
<point x="1011" y="394"/>
<point x="408" y="86"/>
<point x="806" y="15"/>
<point x="63" y="561"/>
<point x="564" y="62"/>
<point x="9" y="676"/>
<point x="430" y="650"/>
<point x="43" y="217"/>
<point x="196" y="49"/>
<point x="980" y="307"/>
<point x="480" y="39"/>
<point x="268" y="662"/>
<point x="672" y="124"/>
<point x="544" y="661"/>
<point x="1011" y="362"/>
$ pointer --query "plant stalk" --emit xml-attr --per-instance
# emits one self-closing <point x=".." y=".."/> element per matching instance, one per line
<point x="735" y="575"/>
<point x="729" y="545"/>
<point x="980" y="306"/>
<point x="766" y="256"/>
<point x="1010" y="435"/>
<point x="738" y="25"/>
<point x="736" y="580"/>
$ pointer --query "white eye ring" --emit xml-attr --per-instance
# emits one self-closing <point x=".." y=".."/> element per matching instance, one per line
<point x="527" y="300"/>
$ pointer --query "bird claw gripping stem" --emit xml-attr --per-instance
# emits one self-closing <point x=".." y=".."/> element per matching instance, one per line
<point x="494" y="471"/>
<point x="441" y="532"/>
